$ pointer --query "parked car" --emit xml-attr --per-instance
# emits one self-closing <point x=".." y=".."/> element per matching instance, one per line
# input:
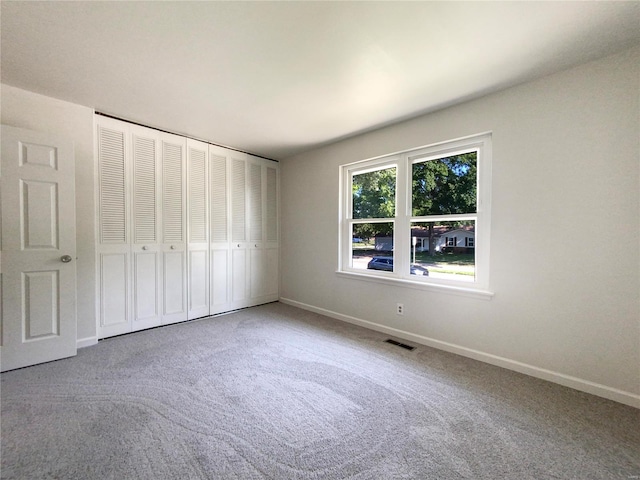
<point x="386" y="264"/>
<point x="419" y="270"/>
<point x="381" y="263"/>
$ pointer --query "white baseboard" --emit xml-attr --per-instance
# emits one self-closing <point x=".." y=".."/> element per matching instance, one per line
<point x="597" y="389"/>
<point x="86" y="342"/>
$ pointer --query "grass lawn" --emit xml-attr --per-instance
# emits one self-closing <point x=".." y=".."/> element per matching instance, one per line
<point x="446" y="258"/>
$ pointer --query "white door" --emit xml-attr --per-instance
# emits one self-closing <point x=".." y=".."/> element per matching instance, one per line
<point x="174" y="243"/>
<point x="198" y="229"/>
<point x="38" y="322"/>
<point x="113" y="248"/>
<point x="219" y="231"/>
<point x="239" y="236"/>
<point x="271" y="286"/>
<point x="145" y="249"/>
<point x="256" y="247"/>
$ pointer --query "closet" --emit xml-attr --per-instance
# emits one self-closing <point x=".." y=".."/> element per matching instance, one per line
<point x="185" y="229"/>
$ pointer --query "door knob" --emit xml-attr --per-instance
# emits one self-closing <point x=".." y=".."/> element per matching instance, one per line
<point x="173" y="247"/>
<point x="144" y="247"/>
<point x="65" y="258"/>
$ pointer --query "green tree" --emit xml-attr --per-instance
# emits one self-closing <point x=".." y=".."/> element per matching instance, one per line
<point x="374" y="196"/>
<point x="444" y="186"/>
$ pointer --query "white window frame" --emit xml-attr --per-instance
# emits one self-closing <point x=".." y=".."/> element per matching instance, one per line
<point x="403" y="162"/>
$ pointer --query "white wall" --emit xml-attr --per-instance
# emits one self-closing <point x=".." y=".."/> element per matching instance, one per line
<point x="23" y="109"/>
<point x="565" y="168"/>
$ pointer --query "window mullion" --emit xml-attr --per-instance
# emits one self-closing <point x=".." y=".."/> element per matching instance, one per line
<point x="402" y="228"/>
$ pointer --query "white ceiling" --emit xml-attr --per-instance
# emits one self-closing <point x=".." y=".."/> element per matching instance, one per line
<point x="278" y="78"/>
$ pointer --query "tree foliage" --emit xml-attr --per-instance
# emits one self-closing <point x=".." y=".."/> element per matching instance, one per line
<point x="439" y="187"/>
<point x="374" y="196"/>
<point x="445" y="186"/>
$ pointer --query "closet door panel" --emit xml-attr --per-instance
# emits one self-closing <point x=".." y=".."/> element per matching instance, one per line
<point x="240" y="262"/>
<point x="198" y="229"/>
<point x="255" y="202"/>
<point x="173" y="195"/>
<point x="146" y="294"/>
<point x="198" y="198"/>
<point x="238" y="201"/>
<point x="174" y="298"/>
<point x="239" y="266"/>
<point x="258" y="269"/>
<point x="198" y="283"/>
<point x="271" y="209"/>
<point x="219" y="197"/>
<point x="145" y="187"/>
<point x="220" y="272"/>
<point x="174" y="265"/>
<point x="113" y="248"/>
<point x="263" y="230"/>
<point x="145" y="204"/>
<point x="272" y="279"/>
<point x="219" y="280"/>
<point x="113" y="215"/>
<point x="113" y="285"/>
<point x="272" y="253"/>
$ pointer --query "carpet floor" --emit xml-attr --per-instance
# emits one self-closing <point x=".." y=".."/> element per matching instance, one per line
<point x="275" y="392"/>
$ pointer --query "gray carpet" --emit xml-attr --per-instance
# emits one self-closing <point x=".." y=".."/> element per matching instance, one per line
<point x="275" y="392"/>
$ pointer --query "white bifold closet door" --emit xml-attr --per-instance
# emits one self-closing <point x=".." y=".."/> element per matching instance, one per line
<point x="239" y="231"/>
<point x="145" y="246"/>
<point x="114" y="239"/>
<point x="271" y="286"/>
<point x="254" y="232"/>
<point x="141" y="251"/>
<point x="174" y="229"/>
<point x="257" y="253"/>
<point x="198" y="228"/>
<point x="186" y="229"/>
<point x="219" y="247"/>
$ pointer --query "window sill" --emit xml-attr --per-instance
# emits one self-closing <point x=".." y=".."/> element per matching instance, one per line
<point x="433" y="287"/>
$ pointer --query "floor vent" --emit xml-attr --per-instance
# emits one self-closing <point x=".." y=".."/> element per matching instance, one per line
<point x="398" y="344"/>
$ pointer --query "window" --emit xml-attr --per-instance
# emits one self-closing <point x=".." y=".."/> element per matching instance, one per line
<point x="419" y="216"/>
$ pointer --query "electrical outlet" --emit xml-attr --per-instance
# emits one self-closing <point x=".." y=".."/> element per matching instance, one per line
<point x="400" y="309"/>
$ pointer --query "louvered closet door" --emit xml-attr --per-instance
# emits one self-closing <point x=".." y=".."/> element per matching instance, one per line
<point x="146" y="251"/>
<point x="174" y="265"/>
<point x="220" y="271"/>
<point x="113" y="249"/>
<point x="239" y="233"/>
<point x="257" y="253"/>
<point x="271" y="278"/>
<point x="198" y="229"/>
<point x="263" y="230"/>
